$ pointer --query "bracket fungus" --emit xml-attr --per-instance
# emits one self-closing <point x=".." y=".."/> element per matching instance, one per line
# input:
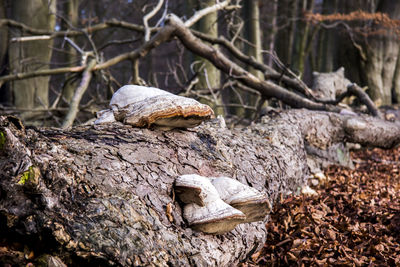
<point x="142" y="106"/>
<point x="215" y="217"/>
<point x="217" y="205"/>
<point x="206" y="211"/>
<point x="254" y="204"/>
<point x="192" y="188"/>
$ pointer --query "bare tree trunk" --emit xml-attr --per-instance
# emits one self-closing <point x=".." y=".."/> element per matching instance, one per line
<point x="326" y="43"/>
<point x="274" y="29"/>
<point x="396" y="80"/>
<point x="209" y="75"/>
<point x="31" y="93"/>
<point x="285" y="39"/>
<point x="303" y="38"/>
<point x="293" y="7"/>
<point x="4" y="90"/>
<point x="381" y="50"/>
<point x="3" y="35"/>
<point x="71" y="9"/>
<point x="380" y="68"/>
<point x="253" y="34"/>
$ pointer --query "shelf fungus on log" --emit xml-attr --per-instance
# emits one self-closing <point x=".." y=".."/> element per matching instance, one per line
<point x="142" y="106"/>
<point x="254" y="204"/>
<point x="192" y="188"/>
<point x="206" y="212"/>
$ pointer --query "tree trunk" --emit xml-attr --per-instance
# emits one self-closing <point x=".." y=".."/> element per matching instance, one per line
<point x="396" y="80"/>
<point x="381" y="50"/>
<point x="31" y="93"/>
<point x="274" y="29"/>
<point x="302" y="38"/>
<point x="209" y="75"/>
<point x="285" y="37"/>
<point x="100" y="194"/>
<point x="326" y="43"/>
<point x="4" y="90"/>
<point x="72" y="15"/>
<point x="252" y="34"/>
<point x="3" y="35"/>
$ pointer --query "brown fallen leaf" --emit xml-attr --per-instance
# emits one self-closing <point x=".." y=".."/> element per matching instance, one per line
<point x="169" y="212"/>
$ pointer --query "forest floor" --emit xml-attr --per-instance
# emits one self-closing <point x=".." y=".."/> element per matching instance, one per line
<point x="353" y="221"/>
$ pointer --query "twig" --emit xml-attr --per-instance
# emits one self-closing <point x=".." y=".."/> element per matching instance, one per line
<point x="364" y="98"/>
<point x="76" y="99"/>
<point x="205" y="11"/>
<point x="147" y="17"/>
<point x="119" y="42"/>
<point x="75" y="46"/>
<point x="20" y="76"/>
<point x="30" y="38"/>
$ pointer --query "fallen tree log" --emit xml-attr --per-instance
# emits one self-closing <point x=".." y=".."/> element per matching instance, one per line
<point x="104" y="195"/>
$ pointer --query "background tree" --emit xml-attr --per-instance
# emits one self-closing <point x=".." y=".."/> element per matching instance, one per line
<point x="71" y="20"/>
<point x="32" y="93"/>
<point x="5" y="96"/>
<point x="209" y="77"/>
<point x="253" y="46"/>
<point x="367" y="44"/>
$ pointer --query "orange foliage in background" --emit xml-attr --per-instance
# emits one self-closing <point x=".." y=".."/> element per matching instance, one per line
<point x="378" y="18"/>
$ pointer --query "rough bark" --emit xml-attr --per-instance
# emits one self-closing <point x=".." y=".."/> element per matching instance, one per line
<point x="99" y="194"/>
<point x="102" y="192"/>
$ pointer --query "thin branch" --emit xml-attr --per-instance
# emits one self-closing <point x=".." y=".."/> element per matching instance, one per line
<point x="74" y="45"/>
<point x="205" y="11"/>
<point x="20" y="76"/>
<point x="76" y="99"/>
<point x="354" y="89"/>
<point x="30" y="38"/>
<point x="149" y="16"/>
<point x="119" y="42"/>
<point x="71" y="33"/>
